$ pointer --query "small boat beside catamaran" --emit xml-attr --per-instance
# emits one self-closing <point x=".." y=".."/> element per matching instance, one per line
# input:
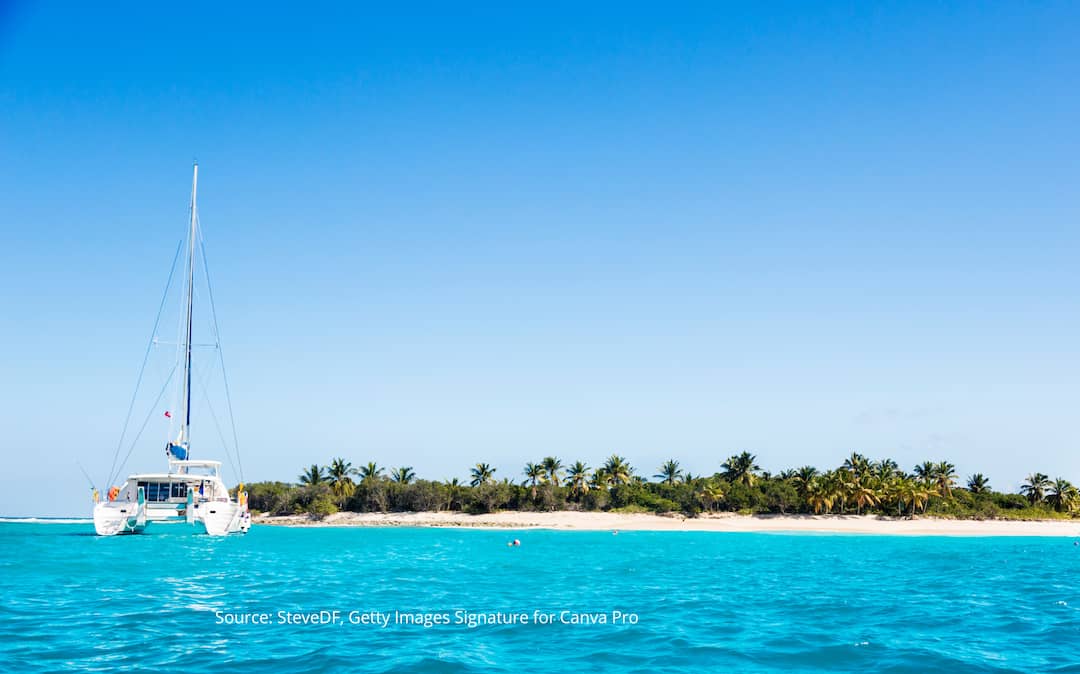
<point x="191" y="492"/>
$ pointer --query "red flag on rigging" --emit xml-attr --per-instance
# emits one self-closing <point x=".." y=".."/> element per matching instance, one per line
<point x="168" y="415"/>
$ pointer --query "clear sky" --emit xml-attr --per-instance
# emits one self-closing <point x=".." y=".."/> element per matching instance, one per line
<point x="443" y="234"/>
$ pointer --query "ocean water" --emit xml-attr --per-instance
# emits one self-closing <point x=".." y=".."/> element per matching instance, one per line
<point x="685" y="601"/>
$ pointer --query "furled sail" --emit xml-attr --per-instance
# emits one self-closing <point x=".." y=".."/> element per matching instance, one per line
<point x="175" y="451"/>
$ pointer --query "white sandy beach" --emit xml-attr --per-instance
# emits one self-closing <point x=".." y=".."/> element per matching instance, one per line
<point x="601" y="521"/>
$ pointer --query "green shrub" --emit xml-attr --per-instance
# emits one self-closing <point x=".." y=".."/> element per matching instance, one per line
<point x="322" y="506"/>
<point x="275" y="498"/>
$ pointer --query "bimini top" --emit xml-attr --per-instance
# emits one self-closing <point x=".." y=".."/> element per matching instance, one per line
<point x="209" y="468"/>
<point x="194" y="469"/>
<point x="166" y="477"/>
<point x="196" y="464"/>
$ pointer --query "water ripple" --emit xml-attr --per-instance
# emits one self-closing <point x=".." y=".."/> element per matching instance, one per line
<point x="737" y="602"/>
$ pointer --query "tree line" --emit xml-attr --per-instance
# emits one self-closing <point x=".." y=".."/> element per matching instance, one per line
<point x="858" y="486"/>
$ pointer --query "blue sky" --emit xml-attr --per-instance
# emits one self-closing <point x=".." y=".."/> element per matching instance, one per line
<point x="443" y="235"/>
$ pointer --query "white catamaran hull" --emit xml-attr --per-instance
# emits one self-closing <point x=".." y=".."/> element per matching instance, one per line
<point x="213" y="518"/>
<point x="220" y="519"/>
<point x="111" y="519"/>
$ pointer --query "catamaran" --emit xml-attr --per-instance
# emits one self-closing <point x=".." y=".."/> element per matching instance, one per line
<point x="191" y="491"/>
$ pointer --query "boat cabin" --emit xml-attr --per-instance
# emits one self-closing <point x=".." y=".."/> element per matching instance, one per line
<point x="199" y="478"/>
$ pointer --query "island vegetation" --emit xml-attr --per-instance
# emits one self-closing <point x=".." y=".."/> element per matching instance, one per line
<point x="858" y="486"/>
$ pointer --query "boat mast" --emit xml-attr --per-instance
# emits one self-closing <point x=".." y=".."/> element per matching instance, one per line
<point x="186" y="429"/>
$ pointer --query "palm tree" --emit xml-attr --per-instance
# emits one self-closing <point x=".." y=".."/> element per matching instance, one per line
<point x="669" y="472"/>
<point x="916" y="494"/>
<point x="885" y="469"/>
<point x="945" y="477"/>
<point x="372" y="471"/>
<point x="454" y="490"/>
<point x="481" y="474"/>
<point x="340" y="469"/>
<point x="926" y="471"/>
<point x="577" y="477"/>
<point x="864" y="496"/>
<point x="403" y="475"/>
<point x="312" y="476"/>
<point x="819" y="496"/>
<point x="1035" y="487"/>
<point x="340" y="475"/>
<point x="844" y="483"/>
<point x="978" y="484"/>
<point x="534" y="472"/>
<point x="741" y="468"/>
<point x="1062" y="496"/>
<point x="857" y="464"/>
<point x="599" y="478"/>
<point x="552" y="468"/>
<point x="711" y="494"/>
<point x="803" y="477"/>
<point x="617" y="471"/>
<point x="892" y="491"/>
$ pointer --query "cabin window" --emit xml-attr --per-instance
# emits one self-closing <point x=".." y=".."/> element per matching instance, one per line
<point x="156" y="491"/>
<point x="179" y="489"/>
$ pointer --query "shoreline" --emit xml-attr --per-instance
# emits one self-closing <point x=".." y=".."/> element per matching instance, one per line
<point x="725" y="522"/>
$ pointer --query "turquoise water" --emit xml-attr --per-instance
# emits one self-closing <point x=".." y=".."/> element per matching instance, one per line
<point x="703" y="601"/>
